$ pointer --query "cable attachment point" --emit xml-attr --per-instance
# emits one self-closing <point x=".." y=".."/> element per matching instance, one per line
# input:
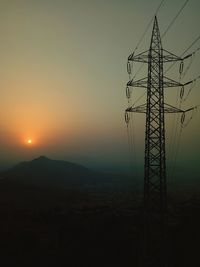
<point x="129" y="67"/>
<point x="127" y="117"/>
<point x="182" y="92"/>
<point x="181" y="67"/>
<point x="183" y="118"/>
<point x="128" y="93"/>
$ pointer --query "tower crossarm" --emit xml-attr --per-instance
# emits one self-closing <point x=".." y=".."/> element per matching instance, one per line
<point x="167" y="57"/>
<point x="170" y="57"/>
<point x="167" y="109"/>
<point x="139" y="83"/>
<point x="142" y="57"/>
<point x="138" y="109"/>
<point x="171" y="109"/>
<point x="167" y="82"/>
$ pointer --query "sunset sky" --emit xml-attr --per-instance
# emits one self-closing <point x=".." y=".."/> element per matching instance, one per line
<point x="63" y="76"/>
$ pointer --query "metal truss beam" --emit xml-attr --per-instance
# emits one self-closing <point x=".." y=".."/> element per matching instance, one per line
<point x="167" y="82"/>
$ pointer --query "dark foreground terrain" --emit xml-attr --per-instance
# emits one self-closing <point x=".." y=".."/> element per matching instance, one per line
<point x="95" y="224"/>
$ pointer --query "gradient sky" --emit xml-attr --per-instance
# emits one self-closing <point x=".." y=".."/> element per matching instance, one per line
<point x="63" y="76"/>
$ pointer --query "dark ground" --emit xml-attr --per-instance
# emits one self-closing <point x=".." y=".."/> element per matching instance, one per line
<point x="41" y="227"/>
<point x="82" y="218"/>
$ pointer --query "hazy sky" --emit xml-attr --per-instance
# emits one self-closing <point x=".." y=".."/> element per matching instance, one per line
<point x="63" y="76"/>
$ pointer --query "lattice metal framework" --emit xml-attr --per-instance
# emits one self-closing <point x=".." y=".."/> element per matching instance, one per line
<point x="155" y="199"/>
<point x="155" y="188"/>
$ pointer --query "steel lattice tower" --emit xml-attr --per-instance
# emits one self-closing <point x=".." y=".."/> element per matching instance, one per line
<point x="155" y="198"/>
<point x="155" y="188"/>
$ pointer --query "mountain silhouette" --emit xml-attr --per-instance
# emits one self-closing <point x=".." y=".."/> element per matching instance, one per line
<point x="47" y="182"/>
<point x="45" y="171"/>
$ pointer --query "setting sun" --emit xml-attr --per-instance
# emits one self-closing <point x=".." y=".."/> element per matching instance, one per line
<point x="29" y="141"/>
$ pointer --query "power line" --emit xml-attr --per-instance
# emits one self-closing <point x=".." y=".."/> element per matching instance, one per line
<point x="190" y="90"/>
<point x="193" y="43"/>
<point x="140" y="97"/>
<point x="138" y="71"/>
<point x="174" y="19"/>
<point x="185" y="51"/>
<point x="177" y="147"/>
<point x="144" y="33"/>
<point x="169" y="26"/>
<point x="148" y="25"/>
<point x="155" y="182"/>
<point x="189" y="65"/>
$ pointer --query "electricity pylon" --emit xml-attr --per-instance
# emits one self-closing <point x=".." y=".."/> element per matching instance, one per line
<point x="155" y="187"/>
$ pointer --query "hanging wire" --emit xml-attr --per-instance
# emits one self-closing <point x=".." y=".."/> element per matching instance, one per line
<point x="174" y="141"/>
<point x="128" y="93"/>
<point x="142" y="38"/>
<point x="176" y="135"/>
<point x="138" y="71"/>
<point x="138" y="99"/>
<point x="148" y="25"/>
<point x="173" y="136"/>
<point x="174" y="19"/>
<point x="177" y="148"/>
<point x="131" y="138"/>
<point x="194" y="112"/>
<point x="193" y="84"/>
<point x="129" y="68"/>
<point x="183" y="125"/>
<point x="189" y="65"/>
<point x="133" y="146"/>
<point x="191" y="45"/>
<point x="129" y="147"/>
<point x="128" y="117"/>
<point x="185" y="51"/>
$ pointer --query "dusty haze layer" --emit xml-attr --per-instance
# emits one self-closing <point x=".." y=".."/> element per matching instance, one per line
<point x="63" y="76"/>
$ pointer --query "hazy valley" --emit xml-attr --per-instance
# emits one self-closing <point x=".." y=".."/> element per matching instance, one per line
<point x="56" y="213"/>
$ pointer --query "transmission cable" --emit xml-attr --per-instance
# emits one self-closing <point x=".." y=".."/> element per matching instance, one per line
<point x="133" y="146"/>
<point x="144" y="33"/>
<point x="174" y="19"/>
<point x="175" y="137"/>
<point x="189" y="65"/>
<point x="179" y="139"/>
<point x="139" y="98"/>
<point x="131" y="138"/>
<point x="129" y="147"/>
<point x="194" y="42"/>
<point x="148" y="25"/>
<point x="185" y="51"/>
<point x="177" y="148"/>
<point x="193" y="84"/>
